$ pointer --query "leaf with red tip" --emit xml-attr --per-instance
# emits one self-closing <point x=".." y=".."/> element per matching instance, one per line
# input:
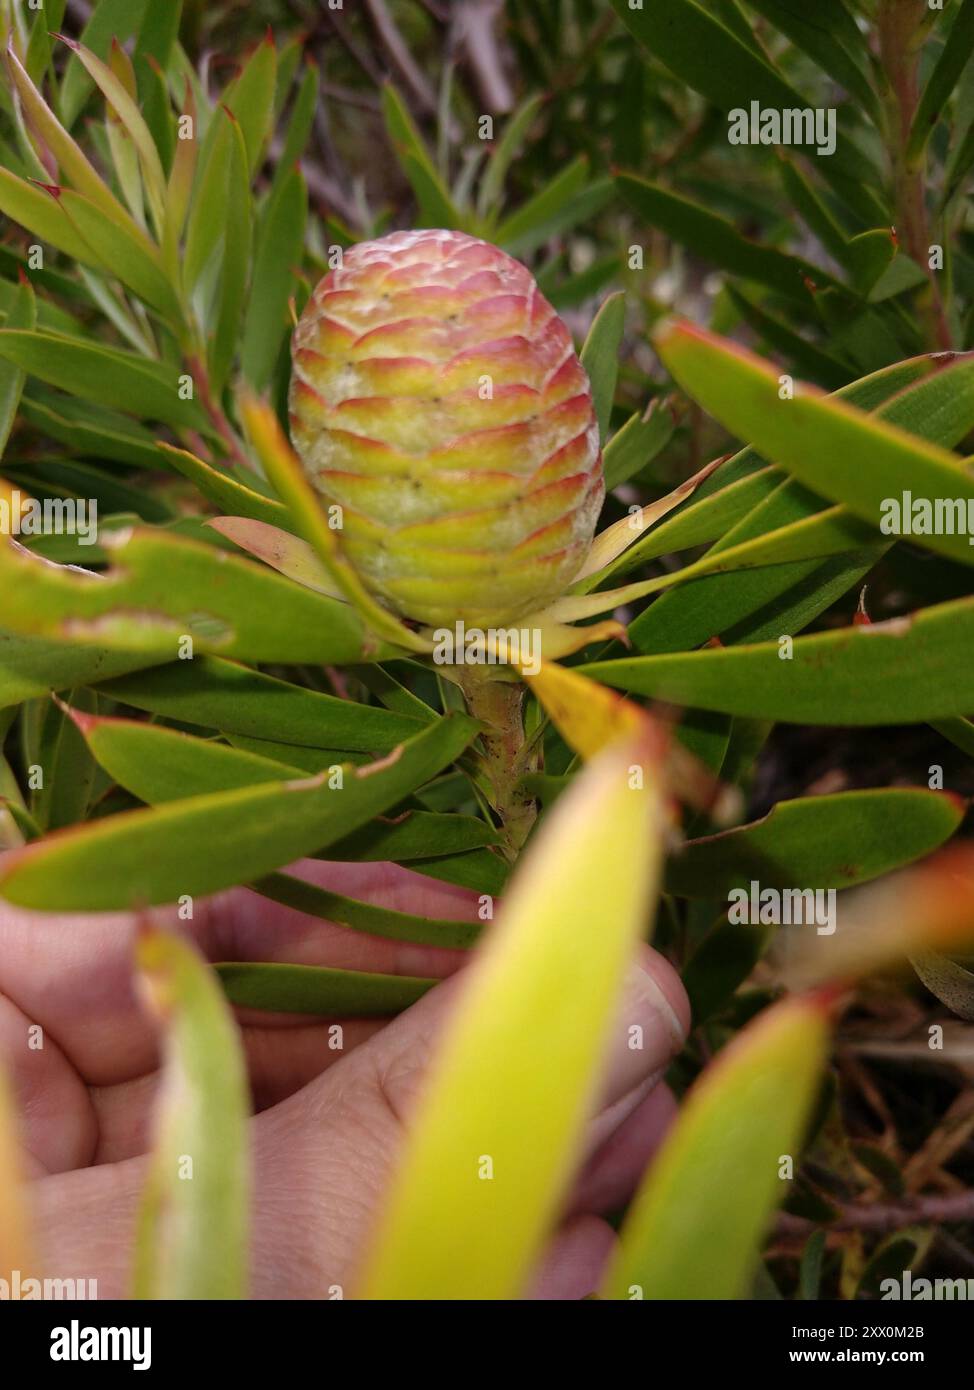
<point x="928" y="908"/>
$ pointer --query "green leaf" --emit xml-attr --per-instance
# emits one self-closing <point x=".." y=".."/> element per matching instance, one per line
<point x="716" y="240"/>
<point x="205" y="843"/>
<point x="567" y="197"/>
<point x="237" y="700"/>
<point x="818" y="842"/>
<point x="73" y="163"/>
<point x="377" y="921"/>
<point x="251" y="99"/>
<point x="699" y="522"/>
<point x="820" y="366"/>
<point x="600" y="356"/>
<point x="958" y="166"/>
<point x="228" y="493"/>
<point x="905" y="671"/>
<point x="418" y="835"/>
<point x="192" y="1236"/>
<point x="38" y="209"/>
<point x="299" y="125"/>
<point x="532" y="1025"/>
<point x="88" y="429"/>
<point x="317" y="989"/>
<point x="39" y="48"/>
<point x="22" y="314"/>
<point x="959" y="731"/>
<point x="705" y="54"/>
<point x="279" y="253"/>
<point x="158" y="765"/>
<point x="827" y="533"/>
<point x="117" y="251"/>
<point x="157" y="37"/>
<point x="30" y="667"/>
<point x="129" y="115"/>
<point x="828" y="33"/>
<point x="164" y="589"/>
<point x="68" y="768"/>
<point x="694" y="1228"/>
<point x="642" y="437"/>
<point x="915" y="395"/>
<point x="104" y="375"/>
<point x="234" y="268"/>
<point x="721" y="963"/>
<point x="208" y="204"/>
<point x="516" y="129"/>
<point x="954" y="57"/>
<point x="117" y="19"/>
<point x="814" y="436"/>
<point x="730" y="74"/>
<point x="436" y="208"/>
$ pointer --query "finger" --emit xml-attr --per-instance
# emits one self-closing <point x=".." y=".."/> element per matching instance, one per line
<point x="279" y="1062"/>
<point x="73" y="974"/>
<point x="57" y="1128"/>
<point x="610" y="1176"/>
<point x="574" y="1262"/>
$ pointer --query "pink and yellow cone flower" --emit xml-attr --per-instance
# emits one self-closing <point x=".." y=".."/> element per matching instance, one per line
<point x="438" y="400"/>
<point x="439" y="411"/>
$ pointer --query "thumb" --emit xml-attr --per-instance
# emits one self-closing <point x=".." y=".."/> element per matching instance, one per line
<point x="341" y="1137"/>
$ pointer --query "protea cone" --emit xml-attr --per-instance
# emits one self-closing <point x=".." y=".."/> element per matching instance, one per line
<point x="437" y="398"/>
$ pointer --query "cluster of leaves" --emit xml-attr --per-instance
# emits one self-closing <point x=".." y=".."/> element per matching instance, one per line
<point x="215" y="691"/>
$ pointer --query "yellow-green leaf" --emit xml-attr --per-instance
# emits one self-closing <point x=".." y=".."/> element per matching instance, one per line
<point x="193" y="1228"/>
<point x="530" y="1027"/>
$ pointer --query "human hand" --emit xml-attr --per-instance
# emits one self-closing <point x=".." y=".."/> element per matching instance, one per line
<point x="328" y="1124"/>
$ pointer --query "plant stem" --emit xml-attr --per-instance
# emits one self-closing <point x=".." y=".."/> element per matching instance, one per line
<point x="902" y="26"/>
<point x="499" y="705"/>
<point x="201" y="377"/>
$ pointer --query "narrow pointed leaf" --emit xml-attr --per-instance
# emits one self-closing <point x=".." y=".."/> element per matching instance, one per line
<point x="251" y="99"/>
<point x="928" y="908"/>
<point x="317" y="989"/>
<point x="192" y="1237"/>
<point x="31" y="667"/>
<point x="202" y="844"/>
<point x="695" y="1225"/>
<point x="22" y="314"/>
<point x="905" y="671"/>
<point x="279" y="252"/>
<point x="284" y="552"/>
<point x="294" y="489"/>
<point x="954" y="57"/>
<point x="227" y="492"/>
<point x="600" y="356"/>
<point x="818" y="842"/>
<point x="162" y="589"/>
<point x="105" y="375"/>
<point x="128" y="113"/>
<point x="717" y="240"/>
<point x="238" y="700"/>
<point x="366" y="917"/>
<point x="814" y="436"/>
